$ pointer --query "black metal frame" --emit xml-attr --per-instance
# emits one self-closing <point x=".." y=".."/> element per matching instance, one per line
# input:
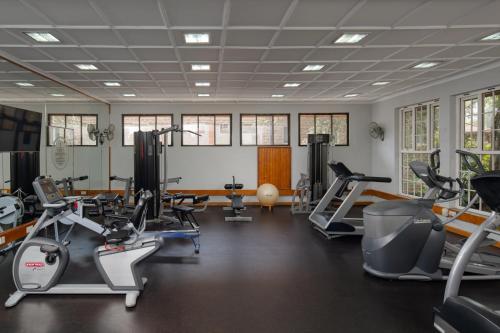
<point x="139" y="125"/>
<point x="198" y="115"/>
<point x="272" y="129"/>
<point x="81" y="127"/>
<point x="331" y="114"/>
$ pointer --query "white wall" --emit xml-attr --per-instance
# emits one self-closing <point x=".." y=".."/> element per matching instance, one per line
<point x="212" y="167"/>
<point x="385" y="154"/>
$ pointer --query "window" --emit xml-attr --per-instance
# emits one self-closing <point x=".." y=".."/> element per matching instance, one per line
<point x="419" y="137"/>
<point x="480" y="134"/>
<point x="264" y="129"/>
<point x="335" y="124"/>
<point x="78" y="124"/>
<point x="144" y="123"/>
<point x="214" y="129"/>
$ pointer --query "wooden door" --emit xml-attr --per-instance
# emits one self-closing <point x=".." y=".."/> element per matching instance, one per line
<point x="274" y="167"/>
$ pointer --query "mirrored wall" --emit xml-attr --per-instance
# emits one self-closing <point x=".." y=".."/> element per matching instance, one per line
<point x="63" y="136"/>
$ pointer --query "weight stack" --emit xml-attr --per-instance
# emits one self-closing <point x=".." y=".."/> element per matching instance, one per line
<point x="147" y="169"/>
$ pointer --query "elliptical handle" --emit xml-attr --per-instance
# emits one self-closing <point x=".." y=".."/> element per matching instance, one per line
<point x="468" y="157"/>
<point x="435" y="159"/>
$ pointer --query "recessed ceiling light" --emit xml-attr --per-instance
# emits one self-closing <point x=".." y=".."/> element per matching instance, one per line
<point x="495" y="36"/>
<point x="43" y="37"/>
<point x="203" y="95"/>
<point x="86" y="67"/>
<point x="278" y="95"/>
<point x="311" y="68"/>
<point x="350" y="38"/>
<point x="199" y="38"/>
<point x="426" y="64"/>
<point x="291" y="85"/>
<point x="128" y="95"/>
<point x="24" y="84"/>
<point x="112" y="84"/>
<point x="380" y="83"/>
<point x="57" y="95"/>
<point x="200" y="67"/>
<point x="351" y="95"/>
<point x="202" y="84"/>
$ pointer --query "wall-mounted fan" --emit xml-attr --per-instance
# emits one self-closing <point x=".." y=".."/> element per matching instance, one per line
<point x="376" y="131"/>
<point x="95" y="133"/>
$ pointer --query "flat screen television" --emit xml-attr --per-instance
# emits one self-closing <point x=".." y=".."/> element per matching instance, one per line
<point x="20" y="130"/>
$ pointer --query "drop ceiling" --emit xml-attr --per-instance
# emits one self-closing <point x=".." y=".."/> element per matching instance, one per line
<point x="256" y="47"/>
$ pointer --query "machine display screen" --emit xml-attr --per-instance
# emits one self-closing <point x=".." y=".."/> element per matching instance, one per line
<point x="49" y="190"/>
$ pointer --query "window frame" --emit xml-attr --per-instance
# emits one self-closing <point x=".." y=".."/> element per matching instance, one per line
<point x="331" y="114"/>
<point x="272" y="130"/>
<point x="479" y="149"/>
<point x="171" y="115"/>
<point x="50" y="115"/>
<point x="430" y="143"/>
<point x="198" y="115"/>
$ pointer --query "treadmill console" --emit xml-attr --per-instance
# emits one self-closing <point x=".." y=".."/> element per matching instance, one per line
<point x="46" y="190"/>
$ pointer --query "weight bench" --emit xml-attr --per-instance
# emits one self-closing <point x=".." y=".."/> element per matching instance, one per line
<point x="198" y="202"/>
<point x="237" y="204"/>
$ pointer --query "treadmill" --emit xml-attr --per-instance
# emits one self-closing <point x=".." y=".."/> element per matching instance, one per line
<point x="459" y="313"/>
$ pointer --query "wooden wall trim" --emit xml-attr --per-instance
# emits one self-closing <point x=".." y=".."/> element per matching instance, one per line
<point x="13" y="234"/>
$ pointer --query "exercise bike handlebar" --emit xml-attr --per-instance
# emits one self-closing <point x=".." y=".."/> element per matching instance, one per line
<point x="468" y="157"/>
<point x="174" y="128"/>
<point x="120" y="179"/>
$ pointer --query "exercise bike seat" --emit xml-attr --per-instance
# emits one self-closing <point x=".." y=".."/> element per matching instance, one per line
<point x="467" y="316"/>
<point x="117" y="236"/>
<point x="183" y="209"/>
<point x="49" y="249"/>
<point x="200" y="198"/>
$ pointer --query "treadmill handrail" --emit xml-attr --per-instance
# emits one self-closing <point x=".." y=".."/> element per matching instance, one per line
<point x="363" y="178"/>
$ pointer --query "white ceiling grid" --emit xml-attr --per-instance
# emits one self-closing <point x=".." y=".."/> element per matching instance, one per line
<point x="256" y="46"/>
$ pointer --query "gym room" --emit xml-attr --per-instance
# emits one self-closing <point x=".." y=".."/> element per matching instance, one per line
<point x="249" y="166"/>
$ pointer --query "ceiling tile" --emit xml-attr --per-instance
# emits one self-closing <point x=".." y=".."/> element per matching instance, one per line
<point x="330" y="54"/>
<point x="300" y="37"/>
<point x="249" y="37"/>
<point x="390" y="65"/>
<point x="67" y="53"/>
<point x="14" y="12"/>
<point x="100" y="76"/>
<point x="235" y="76"/>
<point x="239" y="67"/>
<point x="381" y="12"/>
<point x="111" y="53"/>
<point x="319" y="13"/>
<point x="372" y="53"/>
<point x="181" y="13"/>
<point x="233" y="84"/>
<point x="257" y="12"/>
<point x="351" y="66"/>
<point x="400" y="37"/>
<point x="124" y="66"/>
<point x="134" y="76"/>
<point x="181" y="84"/>
<point x="242" y="54"/>
<point x="276" y="67"/>
<point x="286" y="54"/>
<point x="368" y="75"/>
<point x="126" y="12"/>
<point x="51" y="67"/>
<point x="93" y="36"/>
<point x="440" y="12"/>
<point x="162" y="67"/>
<point x="145" y="37"/>
<point x="167" y="76"/>
<point x="267" y="77"/>
<point x="155" y="54"/>
<point x="487" y="14"/>
<point x="332" y="76"/>
<point x="24" y="53"/>
<point x="453" y="36"/>
<point x="301" y="76"/>
<point x="202" y="76"/>
<point x="458" y="52"/>
<point x="141" y="83"/>
<point x="68" y="12"/>
<point x="416" y="52"/>
<point x="199" y="54"/>
<point x="493" y="53"/>
<point x="401" y="75"/>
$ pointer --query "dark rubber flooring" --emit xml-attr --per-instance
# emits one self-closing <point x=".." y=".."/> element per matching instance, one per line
<point x="275" y="274"/>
